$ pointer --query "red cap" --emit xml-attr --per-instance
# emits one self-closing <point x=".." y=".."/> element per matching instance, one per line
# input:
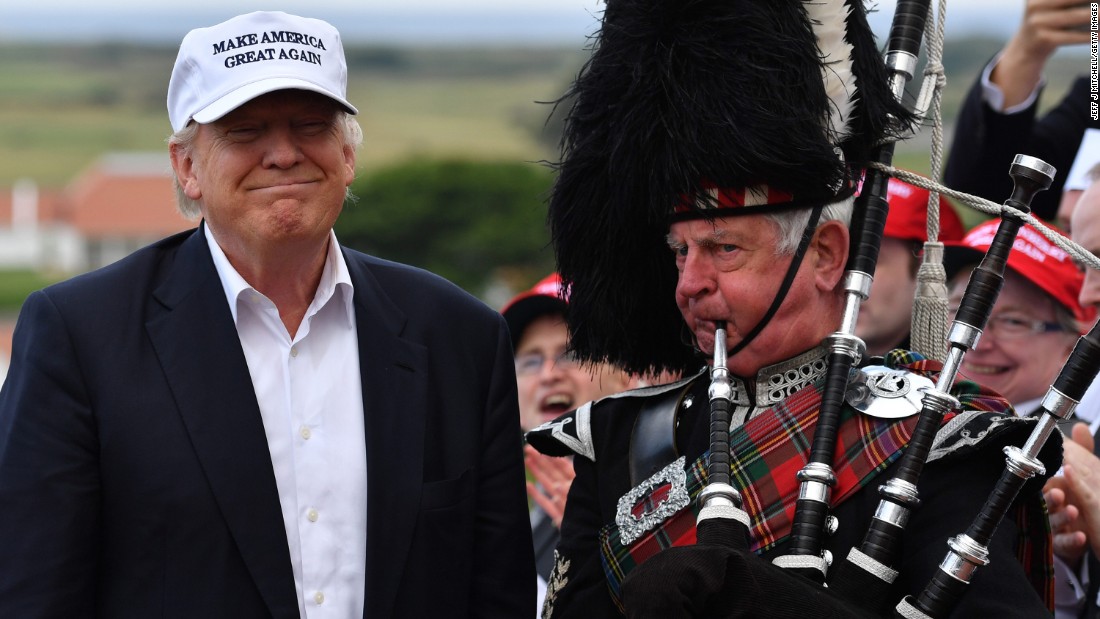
<point x="907" y="218"/>
<point x="545" y="297"/>
<point x="1033" y="257"/>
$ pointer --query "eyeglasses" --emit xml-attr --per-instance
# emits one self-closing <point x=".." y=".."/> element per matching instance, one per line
<point x="1013" y="326"/>
<point x="531" y="363"/>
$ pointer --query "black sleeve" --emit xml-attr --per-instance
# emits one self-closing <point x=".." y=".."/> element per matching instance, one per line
<point x="983" y="147"/>
<point x="49" y="474"/>
<point x="578" y="588"/>
<point x="503" y="579"/>
<point x="1056" y="138"/>
<point x="986" y="141"/>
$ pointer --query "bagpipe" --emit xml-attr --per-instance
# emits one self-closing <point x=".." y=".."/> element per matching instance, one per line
<point x="859" y="584"/>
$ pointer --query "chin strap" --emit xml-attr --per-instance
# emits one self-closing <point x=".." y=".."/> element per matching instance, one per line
<point x="788" y="279"/>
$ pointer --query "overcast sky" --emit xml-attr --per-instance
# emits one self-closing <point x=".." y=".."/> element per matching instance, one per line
<point x="506" y="5"/>
<point x="397" y="20"/>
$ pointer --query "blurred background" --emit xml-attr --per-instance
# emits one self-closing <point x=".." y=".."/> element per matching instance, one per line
<point x="455" y="101"/>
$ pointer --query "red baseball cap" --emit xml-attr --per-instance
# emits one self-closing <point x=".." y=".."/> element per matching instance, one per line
<point x="1033" y="257"/>
<point x="907" y="219"/>
<point x="545" y="297"/>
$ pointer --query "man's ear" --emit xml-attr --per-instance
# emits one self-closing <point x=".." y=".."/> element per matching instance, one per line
<point x="830" y="254"/>
<point x="349" y="165"/>
<point x="184" y="167"/>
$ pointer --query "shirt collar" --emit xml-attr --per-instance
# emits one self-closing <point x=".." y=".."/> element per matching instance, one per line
<point x="335" y="278"/>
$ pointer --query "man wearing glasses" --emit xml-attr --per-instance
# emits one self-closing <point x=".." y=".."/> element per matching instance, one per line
<point x="551" y="382"/>
<point x="1035" y="321"/>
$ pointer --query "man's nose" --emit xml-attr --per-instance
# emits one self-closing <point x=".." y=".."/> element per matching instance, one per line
<point x="697" y="277"/>
<point x="1090" y="290"/>
<point x="281" y="148"/>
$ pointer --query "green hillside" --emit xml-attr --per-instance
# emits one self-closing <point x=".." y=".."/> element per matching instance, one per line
<point x="61" y="106"/>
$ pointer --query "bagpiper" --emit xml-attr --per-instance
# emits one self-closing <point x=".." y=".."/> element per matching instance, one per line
<point x="703" y="203"/>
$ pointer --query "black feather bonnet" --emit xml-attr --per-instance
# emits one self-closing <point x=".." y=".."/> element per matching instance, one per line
<point x="683" y="96"/>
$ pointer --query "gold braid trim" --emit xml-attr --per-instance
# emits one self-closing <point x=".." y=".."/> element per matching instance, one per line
<point x="558" y="580"/>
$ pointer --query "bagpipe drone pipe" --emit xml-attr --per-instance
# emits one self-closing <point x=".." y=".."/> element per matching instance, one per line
<point x="845" y="349"/>
<point x="720" y="577"/>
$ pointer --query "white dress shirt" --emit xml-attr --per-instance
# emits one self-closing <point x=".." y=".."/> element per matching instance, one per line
<point x="995" y="97"/>
<point x="309" y="390"/>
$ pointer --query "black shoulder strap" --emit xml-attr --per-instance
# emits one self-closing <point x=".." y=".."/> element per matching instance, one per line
<point x="653" y="439"/>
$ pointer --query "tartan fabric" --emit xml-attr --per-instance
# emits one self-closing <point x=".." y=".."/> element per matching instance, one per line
<point x="1034" y="549"/>
<point x="766" y="453"/>
<point x="768" y="450"/>
<point x="735" y="197"/>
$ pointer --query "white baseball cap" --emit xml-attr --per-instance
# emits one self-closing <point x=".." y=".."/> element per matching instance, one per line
<point x="222" y="67"/>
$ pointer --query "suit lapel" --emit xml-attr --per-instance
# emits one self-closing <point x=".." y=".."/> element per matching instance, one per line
<point x="200" y="352"/>
<point x="395" y="389"/>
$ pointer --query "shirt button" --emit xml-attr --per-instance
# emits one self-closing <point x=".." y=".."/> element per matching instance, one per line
<point x="319" y="598"/>
<point x="305" y="432"/>
<point x="312" y="515"/>
<point x="293" y="351"/>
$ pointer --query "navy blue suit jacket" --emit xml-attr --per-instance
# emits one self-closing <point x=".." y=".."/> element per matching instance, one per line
<point x="135" y="477"/>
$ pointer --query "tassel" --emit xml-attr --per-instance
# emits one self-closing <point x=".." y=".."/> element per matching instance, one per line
<point x="928" y="334"/>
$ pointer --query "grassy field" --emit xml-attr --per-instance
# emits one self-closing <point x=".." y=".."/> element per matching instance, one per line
<point x="63" y="106"/>
<point x="60" y="107"/>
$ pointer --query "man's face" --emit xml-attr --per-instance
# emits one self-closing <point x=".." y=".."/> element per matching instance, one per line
<point x="729" y="271"/>
<point x="1019" y="366"/>
<point x="884" y="318"/>
<point x="1086" y="233"/>
<point x="271" y="174"/>
<point x="550" y="383"/>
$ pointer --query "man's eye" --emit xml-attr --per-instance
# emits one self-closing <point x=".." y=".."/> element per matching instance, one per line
<point x="727" y="248"/>
<point x="313" y="127"/>
<point x="242" y="133"/>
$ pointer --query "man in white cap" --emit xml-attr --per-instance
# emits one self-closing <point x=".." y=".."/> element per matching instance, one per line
<point x="246" y="419"/>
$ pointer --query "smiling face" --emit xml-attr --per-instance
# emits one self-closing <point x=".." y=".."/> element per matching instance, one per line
<point x="1020" y="368"/>
<point x="556" y="388"/>
<point x="271" y="175"/>
<point x="729" y="271"/>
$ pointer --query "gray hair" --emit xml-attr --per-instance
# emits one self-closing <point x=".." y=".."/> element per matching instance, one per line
<point x="184" y="140"/>
<point x="790" y="224"/>
<point x="1064" y="317"/>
